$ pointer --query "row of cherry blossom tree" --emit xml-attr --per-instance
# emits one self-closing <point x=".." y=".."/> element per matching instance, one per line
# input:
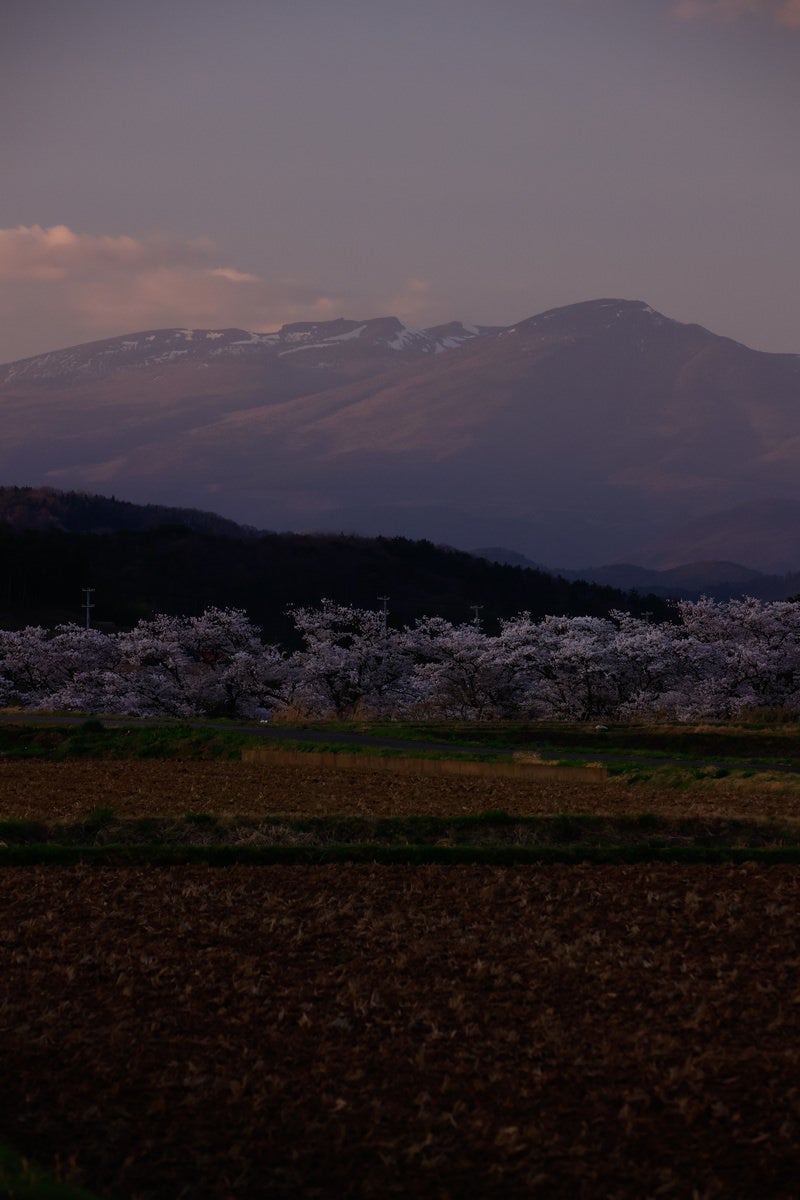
<point x="713" y="661"/>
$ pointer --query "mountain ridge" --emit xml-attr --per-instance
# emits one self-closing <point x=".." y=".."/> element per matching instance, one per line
<point x="81" y="537"/>
<point x="156" y="347"/>
<point x="46" y="508"/>
<point x="584" y="433"/>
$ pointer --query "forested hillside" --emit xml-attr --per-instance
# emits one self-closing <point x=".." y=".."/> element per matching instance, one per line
<point x="173" y="569"/>
<point x="86" y="512"/>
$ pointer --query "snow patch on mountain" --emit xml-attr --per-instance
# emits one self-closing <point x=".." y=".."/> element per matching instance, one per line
<point x="406" y="336"/>
<point x="328" y="343"/>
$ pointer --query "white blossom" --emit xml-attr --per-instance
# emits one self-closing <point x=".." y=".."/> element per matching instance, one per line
<point x="714" y="660"/>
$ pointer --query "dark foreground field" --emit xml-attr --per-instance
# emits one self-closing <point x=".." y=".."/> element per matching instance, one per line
<point x="404" y="1031"/>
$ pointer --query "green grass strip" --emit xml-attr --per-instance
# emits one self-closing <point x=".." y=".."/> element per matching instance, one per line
<point x="23" y="1180"/>
<point x="222" y="856"/>
<point x="487" y="829"/>
<point x="93" y="740"/>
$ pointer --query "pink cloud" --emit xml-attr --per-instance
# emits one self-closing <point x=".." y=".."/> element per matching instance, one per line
<point x="790" y="14"/>
<point x="33" y="252"/>
<point x="785" y="13"/>
<point x="412" y="301"/>
<point x="59" y="287"/>
<point x="201" y="297"/>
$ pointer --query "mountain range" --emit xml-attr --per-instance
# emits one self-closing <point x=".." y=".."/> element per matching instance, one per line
<point x="716" y="579"/>
<point x="595" y="433"/>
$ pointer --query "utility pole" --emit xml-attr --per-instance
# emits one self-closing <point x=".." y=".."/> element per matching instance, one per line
<point x="385" y="610"/>
<point x="87" y="604"/>
<point x="477" y="609"/>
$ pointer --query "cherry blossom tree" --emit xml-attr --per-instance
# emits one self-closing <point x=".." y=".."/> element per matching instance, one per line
<point x="713" y="661"/>
<point x="645" y="666"/>
<point x="350" y="661"/>
<point x="52" y="668"/>
<point x="214" y="665"/>
<point x="461" y="673"/>
<point x="734" y="655"/>
<point x="567" y="666"/>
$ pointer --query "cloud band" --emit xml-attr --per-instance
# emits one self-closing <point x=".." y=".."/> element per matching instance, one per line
<point x="83" y="286"/>
<point x="785" y="13"/>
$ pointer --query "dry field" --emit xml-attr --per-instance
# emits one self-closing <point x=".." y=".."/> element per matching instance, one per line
<point x="71" y="789"/>
<point x="428" y="1032"/>
<point x="572" y="1032"/>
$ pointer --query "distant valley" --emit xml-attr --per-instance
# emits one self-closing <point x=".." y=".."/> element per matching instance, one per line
<point x="602" y="432"/>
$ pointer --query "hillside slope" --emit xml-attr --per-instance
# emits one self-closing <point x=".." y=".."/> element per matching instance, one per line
<point x="173" y="569"/>
<point x="575" y="436"/>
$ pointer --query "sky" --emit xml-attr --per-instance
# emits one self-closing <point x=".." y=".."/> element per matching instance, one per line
<point x="249" y="163"/>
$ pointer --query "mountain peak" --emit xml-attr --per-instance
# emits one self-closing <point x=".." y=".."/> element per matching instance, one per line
<point x="595" y="316"/>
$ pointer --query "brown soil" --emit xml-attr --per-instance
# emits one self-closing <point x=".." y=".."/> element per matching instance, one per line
<point x="70" y="790"/>
<point x="568" y="1032"/>
<point x="431" y="1032"/>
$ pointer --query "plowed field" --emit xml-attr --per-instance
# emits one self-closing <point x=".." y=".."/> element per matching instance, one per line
<point x="389" y="1031"/>
<point x="356" y="1031"/>
<point x="71" y="789"/>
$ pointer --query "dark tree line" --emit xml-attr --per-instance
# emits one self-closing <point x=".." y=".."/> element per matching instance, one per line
<point x="176" y="570"/>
